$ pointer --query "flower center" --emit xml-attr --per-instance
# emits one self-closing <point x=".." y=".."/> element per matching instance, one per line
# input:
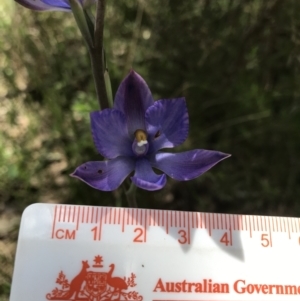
<point x="140" y="144"/>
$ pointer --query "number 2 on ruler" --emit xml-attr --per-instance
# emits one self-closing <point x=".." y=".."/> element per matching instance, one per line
<point x="139" y="237"/>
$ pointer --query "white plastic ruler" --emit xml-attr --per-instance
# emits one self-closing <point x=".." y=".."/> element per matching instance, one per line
<point x="68" y="252"/>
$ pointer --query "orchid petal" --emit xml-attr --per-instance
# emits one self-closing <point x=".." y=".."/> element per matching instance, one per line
<point x="145" y="177"/>
<point x="40" y="5"/>
<point x="187" y="165"/>
<point x="105" y="175"/>
<point x="110" y="133"/>
<point x="64" y="4"/>
<point x="167" y="123"/>
<point x="133" y="99"/>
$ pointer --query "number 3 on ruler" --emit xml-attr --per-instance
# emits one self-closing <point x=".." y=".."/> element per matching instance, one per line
<point x="183" y="238"/>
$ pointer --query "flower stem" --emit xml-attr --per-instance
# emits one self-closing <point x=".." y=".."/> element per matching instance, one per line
<point x="130" y="195"/>
<point x="96" y="54"/>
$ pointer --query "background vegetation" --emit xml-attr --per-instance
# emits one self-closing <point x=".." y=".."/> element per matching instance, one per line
<point x="237" y="62"/>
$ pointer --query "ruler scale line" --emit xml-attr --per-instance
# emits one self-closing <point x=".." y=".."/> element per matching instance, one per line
<point x="145" y="226"/>
<point x="273" y="224"/>
<point x="280" y="225"/>
<point x="54" y="221"/>
<point x="159" y="218"/>
<point x="119" y="215"/>
<point x="87" y="215"/>
<point x="270" y="233"/>
<point x="59" y="213"/>
<point x="136" y="214"/>
<point x="82" y="215"/>
<point x="222" y="222"/>
<point x="115" y="215"/>
<point x="167" y="222"/>
<point x="65" y="213"/>
<point x="292" y="225"/>
<point x="123" y="221"/>
<point x="110" y="219"/>
<point x="74" y="212"/>
<point x="127" y="215"/>
<point x="105" y="215"/>
<point x="288" y="228"/>
<point x="235" y="223"/>
<point x="101" y="223"/>
<point x="78" y="218"/>
<point x="253" y="220"/>
<point x="232" y="217"/>
<point x="189" y="227"/>
<point x="209" y="224"/>
<point x="92" y="215"/>
<point x="69" y="213"/>
<point x="141" y="217"/>
<point x="97" y="215"/>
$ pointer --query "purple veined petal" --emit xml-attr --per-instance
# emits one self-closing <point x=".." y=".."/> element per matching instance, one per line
<point x="133" y="99"/>
<point x="40" y="5"/>
<point x="105" y="175"/>
<point x="187" y="165"/>
<point x="145" y="177"/>
<point x="60" y="4"/>
<point x="110" y="133"/>
<point x="167" y="123"/>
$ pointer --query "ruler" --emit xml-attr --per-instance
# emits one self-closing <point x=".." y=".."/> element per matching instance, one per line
<point x="69" y="252"/>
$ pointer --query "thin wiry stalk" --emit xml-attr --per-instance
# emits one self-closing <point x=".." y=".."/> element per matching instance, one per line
<point x="96" y="54"/>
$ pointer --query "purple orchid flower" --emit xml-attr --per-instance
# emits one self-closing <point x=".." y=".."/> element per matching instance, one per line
<point x="131" y="136"/>
<point x="42" y="5"/>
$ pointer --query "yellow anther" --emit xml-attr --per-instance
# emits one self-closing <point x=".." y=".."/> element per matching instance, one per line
<point x="140" y="136"/>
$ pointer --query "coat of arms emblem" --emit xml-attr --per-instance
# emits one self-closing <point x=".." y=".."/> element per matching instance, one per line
<point x="91" y="284"/>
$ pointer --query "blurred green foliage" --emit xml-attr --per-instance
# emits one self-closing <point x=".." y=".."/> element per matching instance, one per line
<point x="235" y="61"/>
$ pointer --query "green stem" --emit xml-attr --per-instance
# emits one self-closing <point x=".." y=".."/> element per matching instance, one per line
<point x="96" y="54"/>
<point x="130" y="195"/>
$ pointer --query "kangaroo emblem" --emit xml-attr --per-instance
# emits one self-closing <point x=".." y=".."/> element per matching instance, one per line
<point x="75" y="284"/>
<point x="95" y="283"/>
